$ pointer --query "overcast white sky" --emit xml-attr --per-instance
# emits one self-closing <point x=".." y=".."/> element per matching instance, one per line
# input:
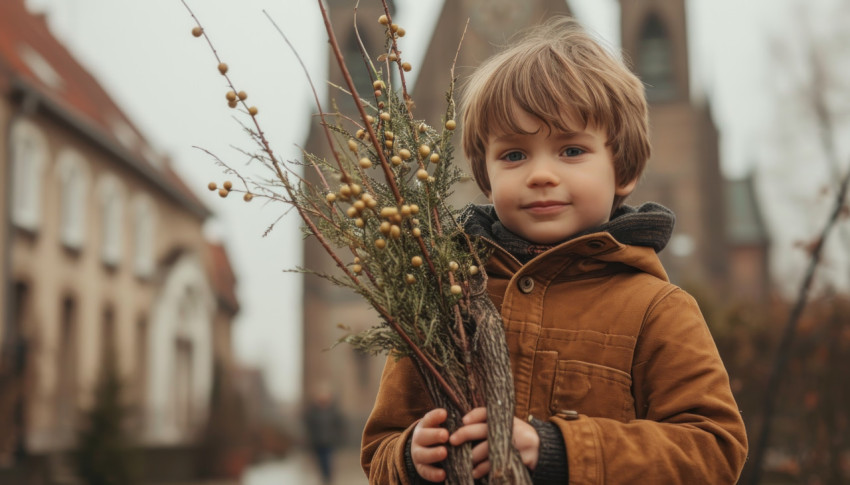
<point x="167" y="82"/>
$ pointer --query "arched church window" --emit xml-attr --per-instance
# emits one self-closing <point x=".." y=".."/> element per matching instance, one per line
<point x="29" y="154"/>
<point x="655" y="60"/>
<point x="71" y="168"/>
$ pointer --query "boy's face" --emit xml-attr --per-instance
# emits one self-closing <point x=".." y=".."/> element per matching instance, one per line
<point x="547" y="186"/>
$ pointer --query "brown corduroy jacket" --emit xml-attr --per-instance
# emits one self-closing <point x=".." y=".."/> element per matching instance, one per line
<point x="606" y="348"/>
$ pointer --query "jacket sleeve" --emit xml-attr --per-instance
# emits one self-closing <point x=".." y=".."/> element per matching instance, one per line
<point x="402" y="399"/>
<point x="689" y="429"/>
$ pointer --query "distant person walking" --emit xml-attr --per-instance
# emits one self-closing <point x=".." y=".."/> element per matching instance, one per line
<point x="325" y="429"/>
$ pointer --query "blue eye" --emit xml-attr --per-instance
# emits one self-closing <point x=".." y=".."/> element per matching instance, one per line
<point x="514" y="156"/>
<point x="573" y="151"/>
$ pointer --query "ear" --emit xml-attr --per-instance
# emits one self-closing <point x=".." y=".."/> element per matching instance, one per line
<point x="626" y="189"/>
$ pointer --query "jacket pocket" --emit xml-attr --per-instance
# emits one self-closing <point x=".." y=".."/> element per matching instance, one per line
<point x="592" y="390"/>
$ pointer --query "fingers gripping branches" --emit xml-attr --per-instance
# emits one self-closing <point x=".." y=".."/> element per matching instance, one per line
<point x="379" y="210"/>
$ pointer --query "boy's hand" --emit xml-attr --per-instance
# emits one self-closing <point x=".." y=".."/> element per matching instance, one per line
<point x="474" y="429"/>
<point x="427" y="445"/>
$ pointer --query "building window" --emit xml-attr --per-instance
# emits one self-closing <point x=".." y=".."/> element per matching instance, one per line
<point x="655" y="60"/>
<point x="107" y="339"/>
<point x="29" y="154"/>
<point x="66" y="393"/>
<point x="143" y="236"/>
<point x="111" y="214"/>
<point x="73" y="189"/>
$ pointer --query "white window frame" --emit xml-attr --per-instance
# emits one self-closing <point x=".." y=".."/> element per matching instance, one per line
<point x="29" y="153"/>
<point x="144" y="223"/>
<point x="72" y="173"/>
<point x="111" y="220"/>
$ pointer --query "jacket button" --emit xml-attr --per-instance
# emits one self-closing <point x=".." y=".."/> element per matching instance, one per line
<point x="567" y="414"/>
<point x="526" y="284"/>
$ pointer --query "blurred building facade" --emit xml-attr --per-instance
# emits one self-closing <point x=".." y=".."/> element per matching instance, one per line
<point x="102" y="257"/>
<point x="719" y="242"/>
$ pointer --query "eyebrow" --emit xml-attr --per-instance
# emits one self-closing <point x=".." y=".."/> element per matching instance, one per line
<point x="567" y="136"/>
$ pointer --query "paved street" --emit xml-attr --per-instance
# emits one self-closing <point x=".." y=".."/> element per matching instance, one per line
<point x="299" y="469"/>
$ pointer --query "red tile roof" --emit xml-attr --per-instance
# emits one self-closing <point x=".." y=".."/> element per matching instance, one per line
<point x="33" y="61"/>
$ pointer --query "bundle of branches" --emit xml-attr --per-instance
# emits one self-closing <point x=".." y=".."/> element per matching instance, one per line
<point x="379" y="210"/>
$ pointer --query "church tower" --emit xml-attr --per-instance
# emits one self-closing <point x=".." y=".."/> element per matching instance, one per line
<point x="683" y="172"/>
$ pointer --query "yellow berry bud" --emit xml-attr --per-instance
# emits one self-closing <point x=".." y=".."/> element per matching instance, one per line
<point x="351" y="212"/>
<point x="212" y="186"/>
<point x="422" y="174"/>
<point x="406" y="66"/>
<point x="252" y="111"/>
<point x="394" y="28"/>
<point x="389" y="135"/>
<point x="473" y="270"/>
<point x="396" y="160"/>
<point x="435" y="158"/>
<point x="359" y="205"/>
<point x="385" y="116"/>
<point x="357" y="268"/>
<point x="330" y="197"/>
<point x="380" y="243"/>
<point x="378" y="84"/>
<point x="395" y="232"/>
<point x="383" y="20"/>
<point x="392" y="57"/>
<point x="356" y="189"/>
<point x="414" y="209"/>
<point x="417" y="232"/>
<point x="416" y="261"/>
<point x="405" y="210"/>
<point x="387" y="212"/>
<point x="365" y="163"/>
<point x="369" y="200"/>
<point x="384" y="228"/>
<point x="370" y="119"/>
<point x="197" y="31"/>
<point x="242" y="95"/>
<point x="410" y="279"/>
<point x="222" y="68"/>
<point x="404" y="153"/>
<point x="452" y="266"/>
<point x="248" y="196"/>
<point x="352" y="145"/>
<point x="345" y="191"/>
<point x="423" y="127"/>
<point x="424" y="150"/>
<point x="360" y="134"/>
<point x="456" y="290"/>
<point x="223" y="192"/>
<point x="401" y="32"/>
<point x="233" y="103"/>
<point x="231" y="96"/>
<point x="228" y="184"/>
<point x="356" y="260"/>
<point x="451" y="124"/>
<point x="388" y="143"/>
<point x="359" y="222"/>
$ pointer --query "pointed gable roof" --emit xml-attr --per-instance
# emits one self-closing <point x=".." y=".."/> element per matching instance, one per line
<point x="35" y="66"/>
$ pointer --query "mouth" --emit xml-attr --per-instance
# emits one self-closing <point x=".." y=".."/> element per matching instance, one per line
<point x="545" y="206"/>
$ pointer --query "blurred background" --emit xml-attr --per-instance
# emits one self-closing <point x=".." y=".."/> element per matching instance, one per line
<point x="148" y="320"/>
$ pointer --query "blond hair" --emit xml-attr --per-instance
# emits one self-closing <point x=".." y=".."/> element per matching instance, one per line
<point x="559" y="74"/>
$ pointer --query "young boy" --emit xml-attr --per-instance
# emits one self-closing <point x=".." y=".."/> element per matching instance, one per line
<point x="617" y="378"/>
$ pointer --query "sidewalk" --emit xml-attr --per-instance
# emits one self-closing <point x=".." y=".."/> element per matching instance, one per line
<point x="299" y="469"/>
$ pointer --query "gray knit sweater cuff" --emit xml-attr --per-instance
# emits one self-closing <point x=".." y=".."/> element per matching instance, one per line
<point x="552" y="464"/>
<point x="410" y="468"/>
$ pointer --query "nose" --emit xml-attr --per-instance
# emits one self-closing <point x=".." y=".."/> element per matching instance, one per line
<point x="542" y="174"/>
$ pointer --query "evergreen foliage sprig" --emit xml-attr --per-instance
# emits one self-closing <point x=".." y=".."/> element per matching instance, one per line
<point x="379" y="209"/>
